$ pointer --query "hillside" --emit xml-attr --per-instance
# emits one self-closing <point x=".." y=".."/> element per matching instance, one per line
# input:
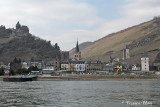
<point x="21" y="44"/>
<point x="81" y="47"/>
<point x="139" y="38"/>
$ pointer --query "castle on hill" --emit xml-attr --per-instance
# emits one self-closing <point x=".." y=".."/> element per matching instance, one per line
<point x="19" y="31"/>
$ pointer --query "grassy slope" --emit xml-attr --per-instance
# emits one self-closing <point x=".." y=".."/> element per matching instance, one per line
<point x="113" y="44"/>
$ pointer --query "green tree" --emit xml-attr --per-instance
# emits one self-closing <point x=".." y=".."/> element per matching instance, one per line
<point x="22" y="71"/>
<point x="15" y="60"/>
<point x="32" y="68"/>
<point x="15" y="64"/>
<point x="19" y="61"/>
<point x="1" y="71"/>
<point x="11" y="72"/>
<point x="56" y="46"/>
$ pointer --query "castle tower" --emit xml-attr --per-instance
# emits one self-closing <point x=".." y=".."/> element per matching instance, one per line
<point x="145" y="62"/>
<point x="64" y="56"/>
<point x="18" y="26"/>
<point x="77" y="54"/>
<point x="56" y="64"/>
<point x="126" y="53"/>
<point x="21" y="30"/>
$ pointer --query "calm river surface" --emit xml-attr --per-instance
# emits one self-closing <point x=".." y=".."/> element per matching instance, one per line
<point x="112" y="93"/>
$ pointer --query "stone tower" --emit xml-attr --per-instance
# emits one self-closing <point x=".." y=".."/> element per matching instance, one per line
<point x="145" y="62"/>
<point x="21" y="30"/>
<point x="126" y="53"/>
<point x="18" y="26"/>
<point x="77" y="54"/>
<point x="64" y="56"/>
<point x="56" y="64"/>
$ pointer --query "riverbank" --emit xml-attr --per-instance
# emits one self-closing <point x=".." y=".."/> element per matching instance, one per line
<point x="92" y="77"/>
<point x="95" y="77"/>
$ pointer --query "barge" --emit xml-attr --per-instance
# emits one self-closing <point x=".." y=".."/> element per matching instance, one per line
<point x="20" y="78"/>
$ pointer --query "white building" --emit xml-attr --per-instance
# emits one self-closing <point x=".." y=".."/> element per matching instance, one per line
<point x="47" y="72"/>
<point x="145" y="62"/>
<point x="80" y="67"/>
<point x="29" y="64"/>
<point x="135" y="67"/>
<point x="49" y="65"/>
<point x="126" y="53"/>
<point x="65" y="66"/>
<point x="24" y="65"/>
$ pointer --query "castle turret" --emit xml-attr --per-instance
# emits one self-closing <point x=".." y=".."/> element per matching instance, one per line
<point x="21" y="30"/>
<point x="18" y="26"/>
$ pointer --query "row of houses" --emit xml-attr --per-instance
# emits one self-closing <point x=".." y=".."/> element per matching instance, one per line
<point x="94" y="65"/>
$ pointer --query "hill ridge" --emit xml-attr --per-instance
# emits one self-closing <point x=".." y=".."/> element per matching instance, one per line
<point x="22" y="44"/>
<point x="137" y="37"/>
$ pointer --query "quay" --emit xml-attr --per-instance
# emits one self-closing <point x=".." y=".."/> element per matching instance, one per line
<point x="85" y="78"/>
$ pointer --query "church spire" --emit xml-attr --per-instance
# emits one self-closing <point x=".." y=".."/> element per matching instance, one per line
<point x="77" y="47"/>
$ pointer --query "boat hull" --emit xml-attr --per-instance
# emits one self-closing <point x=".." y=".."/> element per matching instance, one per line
<point x="20" y="79"/>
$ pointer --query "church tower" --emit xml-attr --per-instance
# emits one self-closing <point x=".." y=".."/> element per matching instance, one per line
<point x="77" y="54"/>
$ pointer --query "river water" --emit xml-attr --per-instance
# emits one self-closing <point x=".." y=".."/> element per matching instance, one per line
<point x="112" y="93"/>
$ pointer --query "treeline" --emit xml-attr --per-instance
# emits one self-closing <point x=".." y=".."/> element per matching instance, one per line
<point x="4" y="32"/>
<point x="31" y="46"/>
<point x="16" y="68"/>
<point x="1" y="71"/>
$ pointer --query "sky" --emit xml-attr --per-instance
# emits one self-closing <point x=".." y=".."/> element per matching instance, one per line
<point x="66" y="21"/>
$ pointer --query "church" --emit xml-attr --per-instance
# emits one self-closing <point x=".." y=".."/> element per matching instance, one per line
<point x="77" y="54"/>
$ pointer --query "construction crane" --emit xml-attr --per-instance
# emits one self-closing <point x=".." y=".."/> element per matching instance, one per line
<point x="120" y="68"/>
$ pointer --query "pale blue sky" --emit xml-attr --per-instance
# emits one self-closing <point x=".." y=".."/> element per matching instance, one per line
<point x="63" y="21"/>
<point x="108" y="9"/>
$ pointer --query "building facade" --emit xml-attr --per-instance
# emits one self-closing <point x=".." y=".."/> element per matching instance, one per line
<point x="145" y="62"/>
<point x="65" y="66"/>
<point x="73" y="66"/>
<point x="49" y="65"/>
<point x="64" y="56"/>
<point x="56" y="64"/>
<point x="94" y="65"/>
<point x="126" y="53"/>
<point x="81" y="66"/>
